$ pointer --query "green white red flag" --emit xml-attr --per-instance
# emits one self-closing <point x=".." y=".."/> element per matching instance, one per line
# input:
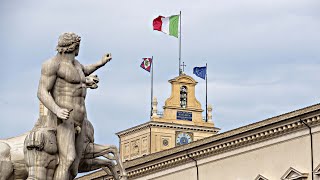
<point x="168" y="25"/>
<point x="146" y="64"/>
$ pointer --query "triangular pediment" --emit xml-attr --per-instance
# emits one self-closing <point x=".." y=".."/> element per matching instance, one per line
<point x="260" y="177"/>
<point x="317" y="170"/>
<point x="293" y="174"/>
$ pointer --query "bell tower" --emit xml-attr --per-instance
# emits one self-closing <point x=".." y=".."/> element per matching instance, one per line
<point x="182" y="107"/>
<point x="180" y="123"/>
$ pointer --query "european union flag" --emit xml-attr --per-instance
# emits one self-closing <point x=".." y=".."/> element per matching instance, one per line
<point x="200" y="72"/>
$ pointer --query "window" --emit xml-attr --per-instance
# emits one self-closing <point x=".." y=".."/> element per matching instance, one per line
<point x="183" y="96"/>
<point x="292" y="173"/>
<point x="260" y="177"/>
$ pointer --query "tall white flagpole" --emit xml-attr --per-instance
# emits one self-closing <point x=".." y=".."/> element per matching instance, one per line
<point x="152" y="63"/>
<point x="180" y="46"/>
<point x="206" y="93"/>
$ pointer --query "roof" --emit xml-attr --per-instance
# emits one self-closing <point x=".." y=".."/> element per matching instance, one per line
<point x="224" y="135"/>
<point x="167" y="125"/>
<point x="284" y="122"/>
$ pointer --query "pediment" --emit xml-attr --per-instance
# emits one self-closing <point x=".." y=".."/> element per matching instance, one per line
<point x="317" y="170"/>
<point x="184" y="79"/>
<point x="293" y="174"/>
<point x="260" y="177"/>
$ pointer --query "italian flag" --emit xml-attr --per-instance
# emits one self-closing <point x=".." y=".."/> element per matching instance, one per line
<point x="167" y="25"/>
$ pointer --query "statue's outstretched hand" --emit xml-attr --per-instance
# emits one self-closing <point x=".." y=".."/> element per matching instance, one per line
<point x="92" y="81"/>
<point x="63" y="113"/>
<point x="106" y="58"/>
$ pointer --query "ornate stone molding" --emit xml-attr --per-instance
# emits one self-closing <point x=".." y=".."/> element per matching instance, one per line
<point x="260" y="177"/>
<point x="292" y="173"/>
<point x="217" y="148"/>
<point x="224" y="142"/>
<point x="167" y="125"/>
<point x="317" y="170"/>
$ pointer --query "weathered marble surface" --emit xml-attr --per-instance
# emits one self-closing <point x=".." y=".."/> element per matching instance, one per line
<point x="61" y="144"/>
<point x="13" y="164"/>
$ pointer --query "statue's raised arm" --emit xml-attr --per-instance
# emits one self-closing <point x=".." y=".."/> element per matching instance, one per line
<point x="93" y="67"/>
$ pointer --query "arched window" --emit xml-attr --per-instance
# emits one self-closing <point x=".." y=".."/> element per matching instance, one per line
<point x="183" y="96"/>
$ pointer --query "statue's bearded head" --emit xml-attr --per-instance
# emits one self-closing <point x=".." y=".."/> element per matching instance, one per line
<point x="68" y="42"/>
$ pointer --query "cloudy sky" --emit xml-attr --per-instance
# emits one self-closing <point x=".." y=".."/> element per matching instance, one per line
<point x="263" y="57"/>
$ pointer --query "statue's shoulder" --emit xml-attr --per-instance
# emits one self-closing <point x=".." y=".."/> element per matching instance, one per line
<point x="50" y="66"/>
<point x="54" y="61"/>
<point x="78" y="63"/>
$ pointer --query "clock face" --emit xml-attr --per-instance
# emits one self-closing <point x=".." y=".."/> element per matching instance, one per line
<point x="183" y="138"/>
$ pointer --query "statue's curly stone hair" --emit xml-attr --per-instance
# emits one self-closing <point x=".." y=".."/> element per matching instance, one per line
<point x="68" y="42"/>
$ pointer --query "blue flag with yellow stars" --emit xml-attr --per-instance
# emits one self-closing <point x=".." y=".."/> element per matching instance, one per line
<point x="200" y="72"/>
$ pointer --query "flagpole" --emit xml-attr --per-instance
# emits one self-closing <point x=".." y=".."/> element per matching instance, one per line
<point x="152" y="63"/>
<point x="180" y="46"/>
<point x="206" y="92"/>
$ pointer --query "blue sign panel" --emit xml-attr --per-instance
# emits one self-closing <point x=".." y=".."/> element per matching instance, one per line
<point x="182" y="115"/>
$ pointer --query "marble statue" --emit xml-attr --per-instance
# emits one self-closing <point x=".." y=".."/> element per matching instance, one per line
<point x="12" y="155"/>
<point x="61" y="144"/>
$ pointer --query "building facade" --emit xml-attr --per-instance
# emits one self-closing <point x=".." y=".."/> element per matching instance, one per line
<point x="284" y="147"/>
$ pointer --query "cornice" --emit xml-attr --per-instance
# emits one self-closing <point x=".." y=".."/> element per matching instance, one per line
<point x="183" y="109"/>
<point x="175" y="156"/>
<point x="214" y="149"/>
<point x="134" y="129"/>
<point x="224" y="142"/>
<point x="167" y="125"/>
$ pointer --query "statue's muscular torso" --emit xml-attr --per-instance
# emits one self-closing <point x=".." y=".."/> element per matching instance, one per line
<point x="69" y="90"/>
<point x="62" y="87"/>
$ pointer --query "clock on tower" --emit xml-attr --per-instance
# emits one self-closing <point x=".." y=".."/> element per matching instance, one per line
<point x="183" y="138"/>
